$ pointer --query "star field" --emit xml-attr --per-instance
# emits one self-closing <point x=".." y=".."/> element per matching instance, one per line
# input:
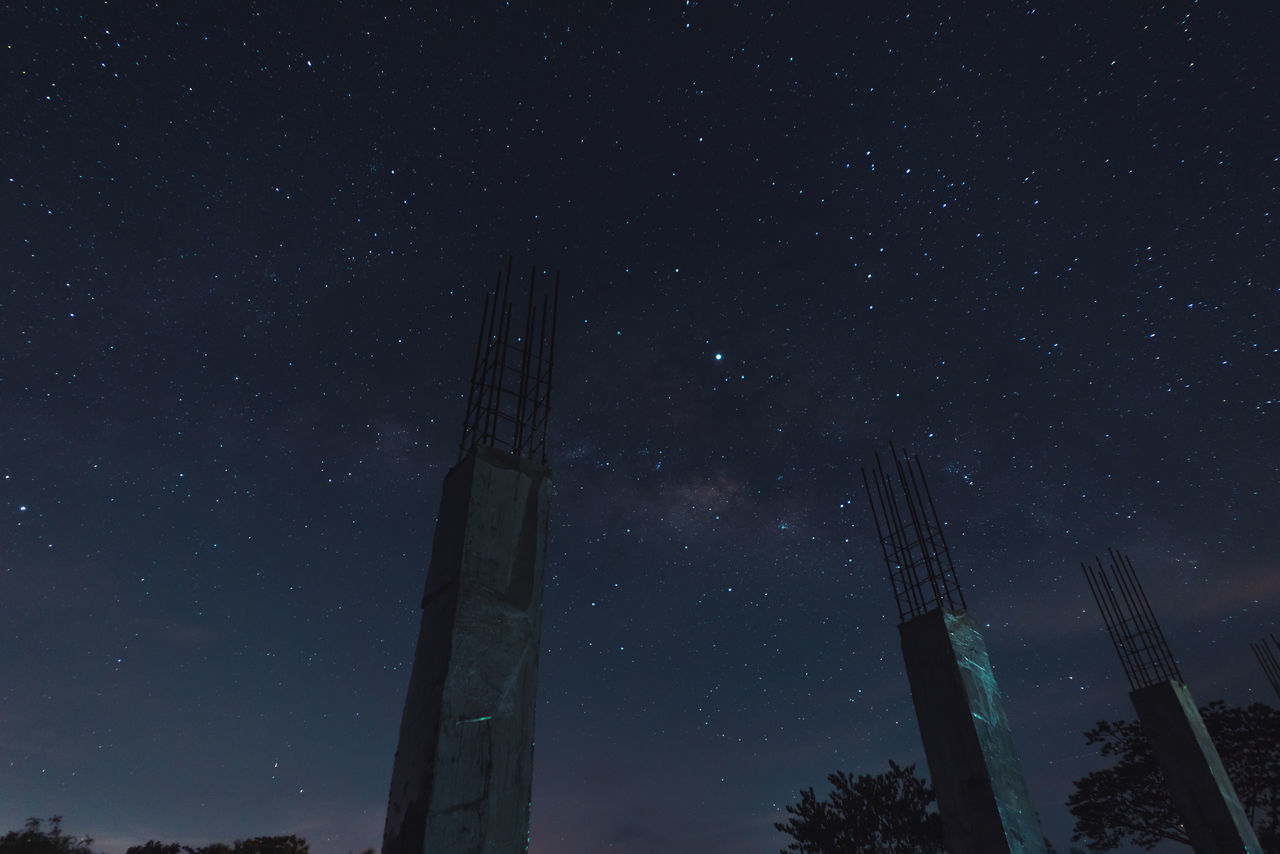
<point x="244" y="261"/>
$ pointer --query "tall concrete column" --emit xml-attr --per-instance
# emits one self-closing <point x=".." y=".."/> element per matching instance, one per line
<point x="463" y="773"/>
<point x="464" y="766"/>
<point x="983" y="798"/>
<point x="1197" y="781"/>
<point x="1211" y="810"/>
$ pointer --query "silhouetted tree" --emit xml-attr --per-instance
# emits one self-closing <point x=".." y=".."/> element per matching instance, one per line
<point x="866" y="815"/>
<point x="271" y="845"/>
<point x="32" y="840"/>
<point x="1129" y="802"/>
<point x="154" y="847"/>
<point x="253" y="845"/>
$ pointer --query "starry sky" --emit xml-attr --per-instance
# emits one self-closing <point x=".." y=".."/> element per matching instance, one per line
<point x="244" y="252"/>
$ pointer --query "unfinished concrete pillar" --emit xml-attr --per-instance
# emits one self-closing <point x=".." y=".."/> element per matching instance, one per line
<point x="982" y="795"/>
<point x="463" y="773"/>
<point x="1198" y="783"/>
<point x="1211" y="811"/>
<point x="464" y="768"/>
<point x="983" y="798"/>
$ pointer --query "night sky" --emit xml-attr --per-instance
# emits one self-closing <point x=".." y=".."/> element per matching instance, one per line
<point x="244" y="250"/>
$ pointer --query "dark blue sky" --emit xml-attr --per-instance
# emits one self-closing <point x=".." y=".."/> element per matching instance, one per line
<point x="244" y="256"/>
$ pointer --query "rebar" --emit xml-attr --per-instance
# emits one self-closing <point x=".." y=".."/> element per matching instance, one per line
<point x="1131" y="624"/>
<point x="912" y="542"/>
<point x="509" y="399"/>
<point x="1270" y="664"/>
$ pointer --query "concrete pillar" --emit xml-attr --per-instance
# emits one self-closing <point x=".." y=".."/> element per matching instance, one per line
<point x="464" y="764"/>
<point x="1198" y="783"/>
<point x="982" y="796"/>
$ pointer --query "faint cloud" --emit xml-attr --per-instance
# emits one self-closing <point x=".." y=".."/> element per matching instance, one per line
<point x="1253" y="587"/>
<point x="629" y="834"/>
<point x="336" y="827"/>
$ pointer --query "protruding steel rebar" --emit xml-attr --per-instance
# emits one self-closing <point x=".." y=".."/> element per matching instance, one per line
<point x="1270" y="664"/>
<point x="911" y="537"/>
<point x="1135" y="633"/>
<point x="509" y="400"/>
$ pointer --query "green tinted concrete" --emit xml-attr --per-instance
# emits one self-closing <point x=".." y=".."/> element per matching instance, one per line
<point x="1198" y="783"/>
<point x="463" y="770"/>
<point x="982" y="795"/>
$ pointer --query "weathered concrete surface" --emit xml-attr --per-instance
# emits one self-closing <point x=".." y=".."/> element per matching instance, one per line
<point x="464" y="765"/>
<point x="1198" y="783"/>
<point x="982" y="795"/>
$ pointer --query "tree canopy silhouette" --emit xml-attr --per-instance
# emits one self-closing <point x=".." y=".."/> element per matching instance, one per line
<point x="1129" y="803"/>
<point x="253" y="845"/>
<point x="886" y="812"/>
<point x="33" y="840"/>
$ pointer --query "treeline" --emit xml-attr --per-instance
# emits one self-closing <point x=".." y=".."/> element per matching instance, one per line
<point x="254" y="845"/>
<point x="35" y="838"/>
